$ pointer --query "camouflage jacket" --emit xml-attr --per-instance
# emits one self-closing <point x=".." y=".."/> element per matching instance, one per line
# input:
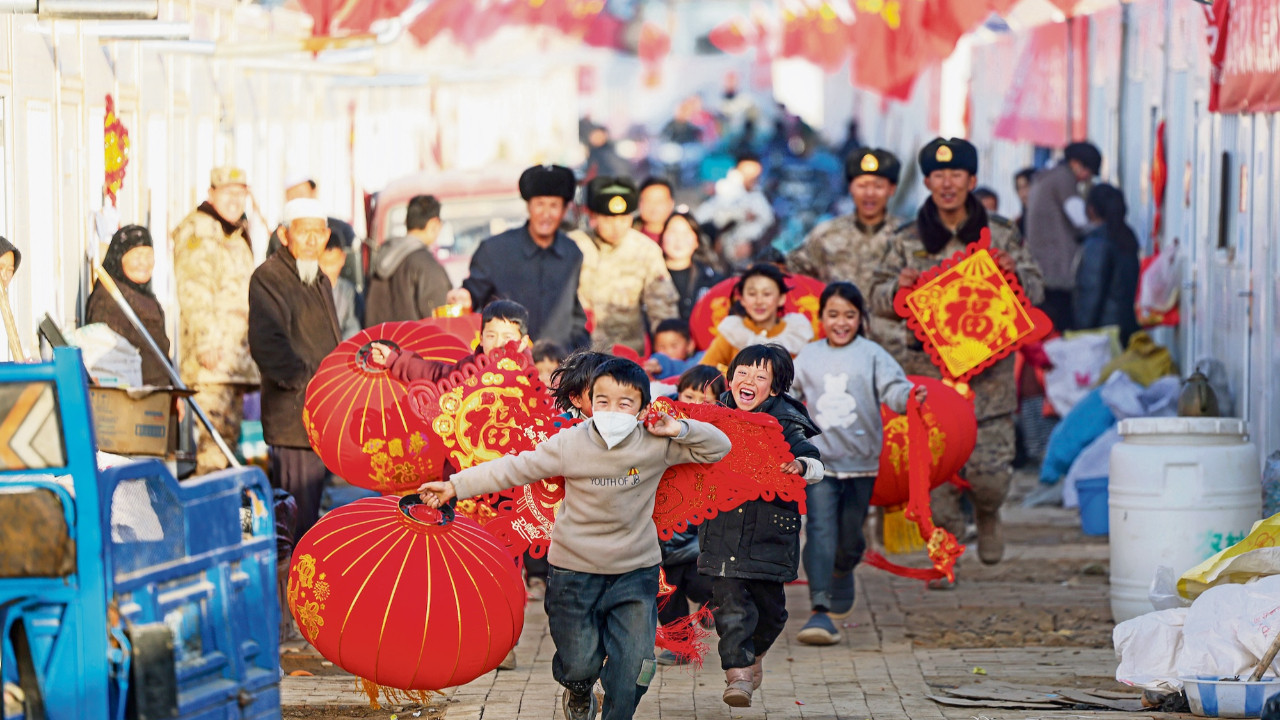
<point x="996" y="388"/>
<point x="211" y="273"/>
<point x="618" y="281"/>
<point x="844" y="250"/>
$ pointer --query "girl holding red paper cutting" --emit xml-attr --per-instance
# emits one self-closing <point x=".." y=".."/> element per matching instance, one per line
<point x="757" y="317"/>
<point x="752" y="551"/>
<point x="843" y="379"/>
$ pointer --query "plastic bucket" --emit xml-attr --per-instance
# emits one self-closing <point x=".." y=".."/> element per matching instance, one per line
<point x="1094" y="513"/>
<point x="1181" y="490"/>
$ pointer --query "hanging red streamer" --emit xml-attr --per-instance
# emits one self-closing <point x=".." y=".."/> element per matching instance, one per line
<point x="942" y="546"/>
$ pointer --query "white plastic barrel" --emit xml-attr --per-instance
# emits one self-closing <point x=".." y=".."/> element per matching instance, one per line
<point x="1181" y="489"/>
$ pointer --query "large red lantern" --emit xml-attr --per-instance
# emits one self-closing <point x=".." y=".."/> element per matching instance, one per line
<point x="406" y="596"/>
<point x="705" y="319"/>
<point x="358" y="419"/>
<point x="952" y="429"/>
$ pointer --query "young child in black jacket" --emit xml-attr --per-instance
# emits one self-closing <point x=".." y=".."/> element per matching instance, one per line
<point x="752" y="551"/>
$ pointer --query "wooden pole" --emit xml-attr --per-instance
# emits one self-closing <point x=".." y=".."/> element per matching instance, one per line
<point x="11" y="326"/>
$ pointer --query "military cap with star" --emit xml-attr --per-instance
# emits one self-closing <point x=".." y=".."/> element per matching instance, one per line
<point x="872" y="161"/>
<point x="953" y="154"/>
<point x="548" y="181"/>
<point x="612" y="196"/>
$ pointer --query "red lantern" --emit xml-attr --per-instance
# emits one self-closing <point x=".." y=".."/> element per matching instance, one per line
<point x="357" y="417"/>
<point x="952" y="429"/>
<point x="406" y="596"/>
<point x="714" y="306"/>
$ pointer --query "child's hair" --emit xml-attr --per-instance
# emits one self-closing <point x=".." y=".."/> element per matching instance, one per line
<point x="675" y="325"/>
<point x="547" y="350"/>
<point x="770" y="254"/>
<point x="850" y="292"/>
<point x="508" y="310"/>
<point x="773" y="356"/>
<point x="773" y="272"/>
<point x="626" y="373"/>
<point x="702" y="378"/>
<point x="574" y="376"/>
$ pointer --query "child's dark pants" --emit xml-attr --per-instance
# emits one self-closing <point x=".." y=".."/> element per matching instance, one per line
<point x="750" y="615"/>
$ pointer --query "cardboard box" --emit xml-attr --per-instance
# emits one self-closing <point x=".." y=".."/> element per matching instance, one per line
<point x="137" y="421"/>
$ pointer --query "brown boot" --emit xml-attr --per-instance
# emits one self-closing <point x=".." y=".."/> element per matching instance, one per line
<point x="990" y="537"/>
<point x="757" y="672"/>
<point x="738" y="692"/>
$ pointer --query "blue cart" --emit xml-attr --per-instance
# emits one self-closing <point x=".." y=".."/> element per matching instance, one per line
<point x="124" y="593"/>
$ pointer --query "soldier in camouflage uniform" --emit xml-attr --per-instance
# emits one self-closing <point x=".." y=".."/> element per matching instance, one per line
<point x="849" y="248"/>
<point x="623" y="271"/>
<point x="950" y="219"/>
<point x="212" y="264"/>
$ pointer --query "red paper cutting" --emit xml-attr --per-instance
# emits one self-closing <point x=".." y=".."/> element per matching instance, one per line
<point x="969" y="313"/>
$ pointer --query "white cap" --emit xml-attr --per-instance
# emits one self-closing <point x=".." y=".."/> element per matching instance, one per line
<point x="300" y="208"/>
<point x="296" y="177"/>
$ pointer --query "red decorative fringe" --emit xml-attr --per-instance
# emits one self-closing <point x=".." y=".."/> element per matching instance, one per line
<point x="685" y="637"/>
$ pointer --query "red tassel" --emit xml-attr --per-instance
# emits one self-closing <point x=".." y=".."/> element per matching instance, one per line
<point x="876" y="560"/>
<point x="684" y="637"/>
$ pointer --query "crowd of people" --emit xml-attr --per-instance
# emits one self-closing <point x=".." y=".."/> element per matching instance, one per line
<point x="622" y="282"/>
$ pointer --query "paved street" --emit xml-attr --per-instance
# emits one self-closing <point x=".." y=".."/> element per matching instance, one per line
<point x="1040" y="620"/>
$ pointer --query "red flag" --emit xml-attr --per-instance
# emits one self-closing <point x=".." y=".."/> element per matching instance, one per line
<point x="729" y="36"/>
<point x="1218" y="15"/>
<point x="890" y="51"/>
<point x="351" y="16"/>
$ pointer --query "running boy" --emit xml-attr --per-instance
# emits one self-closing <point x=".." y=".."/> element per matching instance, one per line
<point x="753" y="550"/>
<point x="604" y="554"/>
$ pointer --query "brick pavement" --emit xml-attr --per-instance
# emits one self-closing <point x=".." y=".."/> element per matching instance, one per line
<point x="874" y="673"/>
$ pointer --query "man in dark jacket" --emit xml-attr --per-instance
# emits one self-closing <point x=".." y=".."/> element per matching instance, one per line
<point x="1055" y="218"/>
<point x="293" y="325"/>
<point x="535" y="265"/>
<point x="407" y="282"/>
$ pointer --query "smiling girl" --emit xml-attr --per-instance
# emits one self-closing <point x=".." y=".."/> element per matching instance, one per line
<point x="757" y="317"/>
<point x="843" y="380"/>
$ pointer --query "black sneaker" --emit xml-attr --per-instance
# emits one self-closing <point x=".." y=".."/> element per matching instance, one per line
<point x="579" y="707"/>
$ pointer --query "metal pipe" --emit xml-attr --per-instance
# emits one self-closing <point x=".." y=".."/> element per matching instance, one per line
<point x="84" y="9"/>
<point x="138" y="30"/>
<point x="100" y="9"/>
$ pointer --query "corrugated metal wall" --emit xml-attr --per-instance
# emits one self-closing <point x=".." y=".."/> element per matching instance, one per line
<point x="1148" y="62"/>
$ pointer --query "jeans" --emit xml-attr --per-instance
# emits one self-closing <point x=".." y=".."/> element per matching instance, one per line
<point x="750" y="615"/>
<point x="689" y="585"/>
<point x="592" y="617"/>
<point x="834" y="542"/>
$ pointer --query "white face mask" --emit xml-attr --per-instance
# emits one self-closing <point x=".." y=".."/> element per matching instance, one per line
<point x="614" y="427"/>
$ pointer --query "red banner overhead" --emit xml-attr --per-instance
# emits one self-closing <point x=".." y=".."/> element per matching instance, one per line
<point x="1242" y="36"/>
<point x="1035" y="106"/>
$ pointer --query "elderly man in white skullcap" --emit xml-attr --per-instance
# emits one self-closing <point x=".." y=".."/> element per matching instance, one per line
<point x="293" y="325"/>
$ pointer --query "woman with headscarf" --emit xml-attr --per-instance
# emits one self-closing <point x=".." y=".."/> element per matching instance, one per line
<point x="1107" y="273"/>
<point x="130" y="261"/>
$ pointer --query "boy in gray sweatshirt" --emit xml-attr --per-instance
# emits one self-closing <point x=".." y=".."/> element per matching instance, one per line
<point x="604" y="554"/>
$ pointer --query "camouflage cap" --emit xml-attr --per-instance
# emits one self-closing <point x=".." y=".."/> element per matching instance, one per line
<point x="227" y="175"/>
